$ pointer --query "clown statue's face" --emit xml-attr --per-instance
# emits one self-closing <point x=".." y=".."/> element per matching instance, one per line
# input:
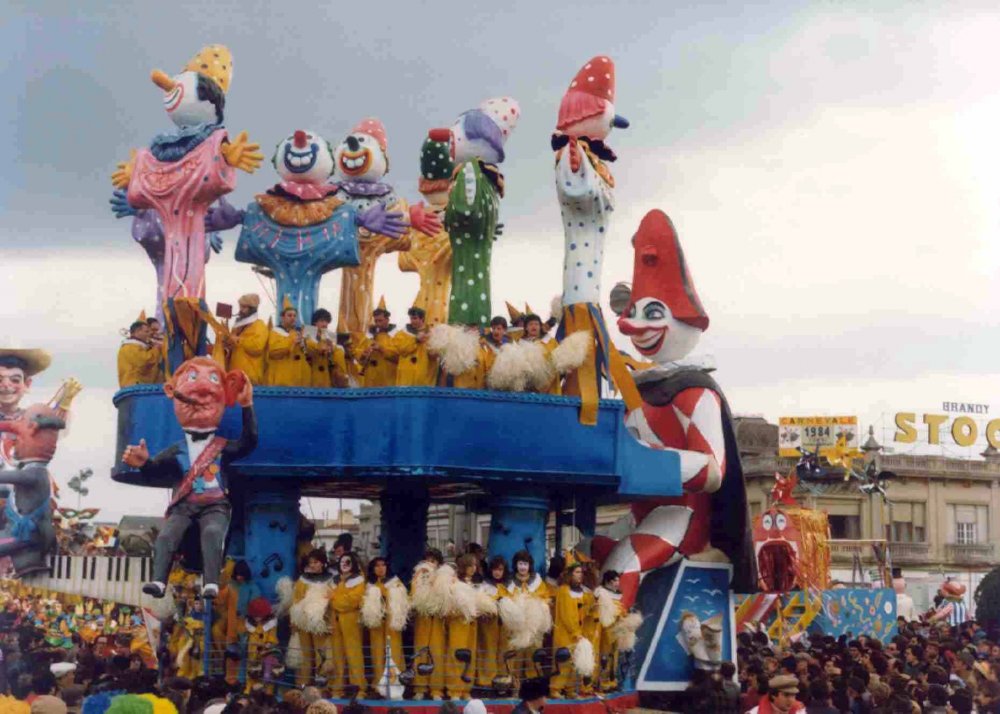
<point x="655" y="333"/>
<point x="360" y="158"/>
<point x="304" y="157"/>
<point x="13" y="386"/>
<point x="181" y="100"/>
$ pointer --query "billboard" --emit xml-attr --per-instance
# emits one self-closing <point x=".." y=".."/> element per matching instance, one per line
<point x="815" y="433"/>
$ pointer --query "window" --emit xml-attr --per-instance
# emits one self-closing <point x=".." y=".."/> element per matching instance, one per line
<point x="845" y="527"/>
<point x="844" y="518"/>
<point x="968" y="524"/>
<point x="908" y="522"/>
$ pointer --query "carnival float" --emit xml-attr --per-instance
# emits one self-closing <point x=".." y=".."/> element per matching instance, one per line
<point x="243" y="418"/>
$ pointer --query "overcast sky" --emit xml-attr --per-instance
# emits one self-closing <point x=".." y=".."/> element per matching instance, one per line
<point x="832" y="170"/>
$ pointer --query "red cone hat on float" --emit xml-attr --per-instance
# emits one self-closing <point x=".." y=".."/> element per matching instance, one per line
<point x="589" y="93"/>
<point x="375" y="129"/>
<point x="660" y="270"/>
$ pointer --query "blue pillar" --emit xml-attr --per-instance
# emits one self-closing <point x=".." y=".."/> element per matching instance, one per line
<point x="517" y="522"/>
<point x="271" y="521"/>
<point x="404" y="528"/>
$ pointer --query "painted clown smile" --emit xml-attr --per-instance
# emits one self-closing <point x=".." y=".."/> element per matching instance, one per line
<point x="355" y="163"/>
<point x="649" y="341"/>
<point x="300" y="162"/>
<point x="173" y="98"/>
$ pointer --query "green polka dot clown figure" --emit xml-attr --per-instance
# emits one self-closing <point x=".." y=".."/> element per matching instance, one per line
<point x="477" y="146"/>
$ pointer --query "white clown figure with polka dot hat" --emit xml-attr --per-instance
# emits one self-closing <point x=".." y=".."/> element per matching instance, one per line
<point x="585" y="188"/>
<point x="361" y="162"/>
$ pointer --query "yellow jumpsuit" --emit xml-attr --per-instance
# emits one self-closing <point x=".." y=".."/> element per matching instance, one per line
<point x="461" y="635"/>
<point x="313" y="632"/>
<point x="379" y="369"/>
<point x="262" y="639"/>
<point x="286" y="360"/>
<point x="328" y="370"/>
<point x="415" y="366"/>
<point x="522" y="665"/>
<point x="474" y="378"/>
<point x="188" y="657"/>
<point x="379" y="636"/>
<point x="348" y="657"/>
<point x="248" y="352"/>
<point x="592" y="631"/>
<point x="608" y="649"/>
<point x="137" y="364"/>
<point x="488" y="639"/>
<point x="567" y="630"/>
<point x="430" y="631"/>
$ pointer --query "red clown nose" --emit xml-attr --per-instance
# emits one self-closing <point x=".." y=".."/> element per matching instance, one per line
<point x="300" y="139"/>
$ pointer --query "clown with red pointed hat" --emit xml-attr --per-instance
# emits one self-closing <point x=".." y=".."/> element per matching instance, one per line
<point x="683" y="409"/>
<point x="585" y="188"/>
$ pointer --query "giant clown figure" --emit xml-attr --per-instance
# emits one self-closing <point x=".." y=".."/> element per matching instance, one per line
<point x="684" y="409"/>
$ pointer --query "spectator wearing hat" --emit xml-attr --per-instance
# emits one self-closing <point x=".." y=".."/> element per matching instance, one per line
<point x="247" y="340"/>
<point x="781" y="696"/>
<point x="415" y="367"/>
<point x="64" y="673"/>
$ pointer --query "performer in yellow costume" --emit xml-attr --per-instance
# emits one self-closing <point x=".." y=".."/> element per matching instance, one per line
<point x="375" y="352"/>
<point x="488" y="631"/>
<point x="247" y="340"/>
<point x="345" y="598"/>
<point x="430" y="256"/>
<point x="429" y="627"/>
<point x="286" y="351"/>
<point x="262" y="645"/>
<point x="308" y="605"/>
<point x="528" y="596"/>
<point x="612" y="613"/>
<point x="138" y="360"/>
<point x="327" y="361"/>
<point x="454" y="586"/>
<point x="188" y="658"/>
<point x="568" y="633"/>
<point x="384" y="613"/>
<point x="415" y="366"/>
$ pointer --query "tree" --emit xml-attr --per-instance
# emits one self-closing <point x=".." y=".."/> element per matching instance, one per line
<point x="76" y="484"/>
<point x="988" y="598"/>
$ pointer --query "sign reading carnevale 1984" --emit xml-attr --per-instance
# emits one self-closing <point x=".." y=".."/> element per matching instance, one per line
<point x="963" y="430"/>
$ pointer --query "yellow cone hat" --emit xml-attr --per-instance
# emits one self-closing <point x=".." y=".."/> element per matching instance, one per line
<point x="286" y="304"/>
<point x="216" y="63"/>
<point x="513" y="312"/>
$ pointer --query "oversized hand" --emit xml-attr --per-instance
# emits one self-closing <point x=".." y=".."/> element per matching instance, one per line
<point x="120" y="205"/>
<point x="136" y="456"/>
<point x="215" y="243"/>
<point x="498" y="231"/>
<point x="242" y="154"/>
<point x="427" y="222"/>
<point x="123" y="174"/>
<point x="245" y="397"/>
<point x="222" y="216"/>
<point x="377" y="220"/>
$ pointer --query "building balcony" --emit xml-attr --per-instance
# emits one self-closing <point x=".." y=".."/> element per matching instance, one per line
<point x="970" y="553"/>
<point x="909" y="552"/>
<point x="843" y="551"/>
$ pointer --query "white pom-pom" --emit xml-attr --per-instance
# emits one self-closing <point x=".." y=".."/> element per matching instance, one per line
<point x="572" y="352"/>
<point x="514" y="617"/>
<point x="457" y="347"/>
<point x="372" y="607"/>
<point x="285" y="589"/>
<point x="521" y="366"/>
<point x="583" y="657"/>
<point x="398" y="605"/>
<point x="624" y="631"/>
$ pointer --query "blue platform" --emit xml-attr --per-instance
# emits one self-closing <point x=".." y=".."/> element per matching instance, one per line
<point x="353" y="443"/>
